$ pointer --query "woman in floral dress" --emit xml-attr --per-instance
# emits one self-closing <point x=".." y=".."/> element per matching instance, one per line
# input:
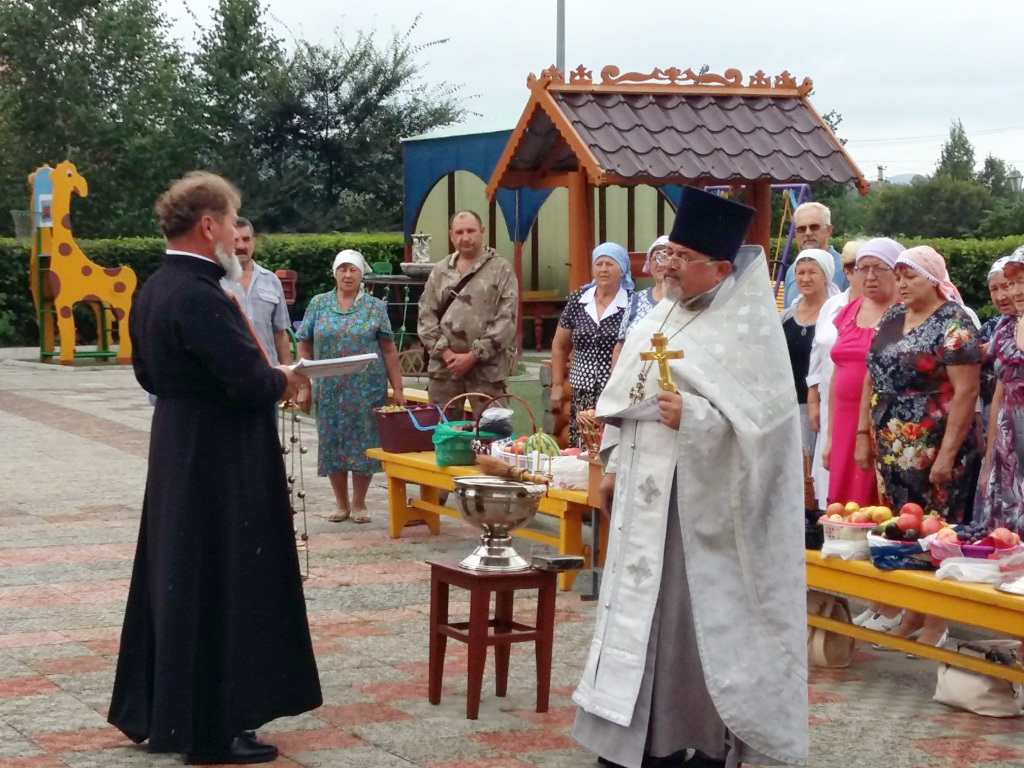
<point x="923" y="374"/>
<point x="1002" y="490"/>
<point x="340" y="323"/>
<point x="919" y="399"/>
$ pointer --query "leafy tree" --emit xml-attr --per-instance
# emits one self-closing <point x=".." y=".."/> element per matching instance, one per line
<point x="995" y="176"/>
<point x="99" y="82"/>
<point x="956" y="160"/>
<point x="1006" y="217"/>
<point x="937" y="207"/>
<point x="238" y="66"/>
<point x="336" y="128"/>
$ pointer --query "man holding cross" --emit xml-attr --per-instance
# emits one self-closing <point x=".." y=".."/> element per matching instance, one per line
<point x="699" y="646"/>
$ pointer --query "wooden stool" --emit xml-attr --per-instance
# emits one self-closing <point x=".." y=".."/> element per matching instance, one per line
<point x="474" y="632"/>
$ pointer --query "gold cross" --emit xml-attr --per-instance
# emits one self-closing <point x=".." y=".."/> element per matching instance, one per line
<point x="662" y="355"/>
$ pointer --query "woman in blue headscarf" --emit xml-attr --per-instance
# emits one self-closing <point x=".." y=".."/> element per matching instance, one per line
<point x="588" y="329"/>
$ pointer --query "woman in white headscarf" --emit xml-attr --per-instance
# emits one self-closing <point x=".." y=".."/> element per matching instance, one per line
<point x="814" y="270"/>
<point x="339" y="323"/>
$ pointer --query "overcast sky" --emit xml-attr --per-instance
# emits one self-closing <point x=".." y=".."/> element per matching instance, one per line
<point x="899" y="71"/>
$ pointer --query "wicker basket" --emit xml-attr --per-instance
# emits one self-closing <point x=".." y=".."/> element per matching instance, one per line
<point x="590" y="430"/>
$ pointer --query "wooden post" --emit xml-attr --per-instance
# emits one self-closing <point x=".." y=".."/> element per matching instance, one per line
<point x="517" y="264"/>
<point x="760" y="232"/>
<point x="581" y="229"/>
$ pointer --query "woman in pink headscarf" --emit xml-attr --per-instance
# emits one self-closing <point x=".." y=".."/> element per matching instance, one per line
<point x="917" y="412"/>
<point x="923" y="380"/>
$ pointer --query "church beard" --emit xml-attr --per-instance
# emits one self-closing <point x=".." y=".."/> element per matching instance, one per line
<point x="229" y="261"/>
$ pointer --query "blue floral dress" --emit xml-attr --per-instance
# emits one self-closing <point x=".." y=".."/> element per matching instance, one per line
<point x="345" y="423"/>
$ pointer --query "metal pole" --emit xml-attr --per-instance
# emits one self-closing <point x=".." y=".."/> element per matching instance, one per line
<point x="560" y="38"/>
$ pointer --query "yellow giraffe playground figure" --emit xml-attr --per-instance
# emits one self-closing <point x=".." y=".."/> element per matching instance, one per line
<point x="62" y="275"/>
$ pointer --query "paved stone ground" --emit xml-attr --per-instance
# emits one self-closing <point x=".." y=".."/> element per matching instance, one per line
<point x="73" y="452"/>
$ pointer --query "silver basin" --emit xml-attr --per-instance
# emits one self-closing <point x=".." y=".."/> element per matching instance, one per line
<point x="496" y="506"/>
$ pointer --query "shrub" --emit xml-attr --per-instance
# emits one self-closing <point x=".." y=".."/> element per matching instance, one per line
<point x="309" y="255"/>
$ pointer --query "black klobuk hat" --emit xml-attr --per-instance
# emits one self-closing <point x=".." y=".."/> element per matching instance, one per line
<point x="710" y="224"/>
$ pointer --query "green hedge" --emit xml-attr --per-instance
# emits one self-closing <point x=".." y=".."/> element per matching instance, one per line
<point x="968" y="261"/>
<point x="309" y="255"/>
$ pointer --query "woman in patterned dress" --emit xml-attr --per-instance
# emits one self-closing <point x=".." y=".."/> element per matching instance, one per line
<point x="587" y="329"/>
<point x="918" y="403"/>
<point x="340" y="323"/>
<point x="642" y="302"/>
<point x="1002" y="485"/>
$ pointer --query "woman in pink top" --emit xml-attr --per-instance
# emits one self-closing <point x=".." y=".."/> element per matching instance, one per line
<point x="855" y="325"/>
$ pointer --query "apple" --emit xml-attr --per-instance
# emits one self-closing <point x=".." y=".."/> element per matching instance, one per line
<point x="1004" y="538"/>
<point x="835" y="508"/>
<point x="859" y="517"/>
<point x="881" y="514"/>
<point x="907" y="522"/>
<point x="932" y="525"/>
<point x="910" y="508"/>
<point x="836" y="518"/>
<point x="851" y="507"/>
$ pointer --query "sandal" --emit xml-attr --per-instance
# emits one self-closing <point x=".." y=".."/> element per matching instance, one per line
<point x="361" y="516"/>
<point x="339" y="516"/>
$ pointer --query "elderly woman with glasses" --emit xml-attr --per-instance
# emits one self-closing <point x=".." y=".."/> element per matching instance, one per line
<point x="587" y="330"/>
<point x="855" y="330"/>
<point x="642" y="302"/>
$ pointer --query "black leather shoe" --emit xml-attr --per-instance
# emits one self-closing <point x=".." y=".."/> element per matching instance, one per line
<point x="244" y="750"/>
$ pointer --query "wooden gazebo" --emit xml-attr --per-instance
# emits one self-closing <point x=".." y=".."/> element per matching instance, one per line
<point x="667" y="128"/>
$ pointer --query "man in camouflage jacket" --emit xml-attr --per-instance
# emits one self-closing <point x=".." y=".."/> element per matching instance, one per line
<point x="471" y="348"/>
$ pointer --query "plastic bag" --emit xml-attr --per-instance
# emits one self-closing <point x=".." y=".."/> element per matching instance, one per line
<point x="569" y="473"/>
<point x="846" y="550"/>
<point x="497" y="421"/>
<point x="889" y="555"/>
<point x="980" y="694"/>
<point x="971" y="569"/>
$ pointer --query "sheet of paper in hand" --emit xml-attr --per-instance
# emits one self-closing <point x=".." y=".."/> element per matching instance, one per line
<point x="335" y="366"/>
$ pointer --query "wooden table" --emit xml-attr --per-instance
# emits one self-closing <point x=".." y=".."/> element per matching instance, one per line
<point x="979" y="605"/>
<point x="475" y="632"/>
<point x="541" y="306"/>
<point x="569" y="507"/>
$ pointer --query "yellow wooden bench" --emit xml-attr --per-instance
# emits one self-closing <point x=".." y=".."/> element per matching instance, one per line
<point x="569" y="507"/>
<point x="979" y="605"/>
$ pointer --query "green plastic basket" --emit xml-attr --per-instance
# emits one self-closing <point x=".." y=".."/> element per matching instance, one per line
<point x="453" y="442"/>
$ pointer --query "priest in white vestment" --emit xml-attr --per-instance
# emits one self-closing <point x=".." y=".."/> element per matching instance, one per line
<point x="699" y="647"/>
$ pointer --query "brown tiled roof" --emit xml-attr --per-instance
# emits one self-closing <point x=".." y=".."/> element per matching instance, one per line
<point x="645" y="136"/>
<point x="752" y="138"/>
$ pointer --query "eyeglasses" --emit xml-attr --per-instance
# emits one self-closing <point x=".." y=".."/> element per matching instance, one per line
<point x="664" y="257"/>
<point x="803" y="228"/>
<point x="872" y="270"/>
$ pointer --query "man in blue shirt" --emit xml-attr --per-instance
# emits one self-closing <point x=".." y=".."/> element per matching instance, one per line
<point x="261" y="296"/>
<point x="812" y="227"/>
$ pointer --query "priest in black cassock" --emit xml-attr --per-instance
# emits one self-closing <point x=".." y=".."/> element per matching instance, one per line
<point x="215" y="640"/>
